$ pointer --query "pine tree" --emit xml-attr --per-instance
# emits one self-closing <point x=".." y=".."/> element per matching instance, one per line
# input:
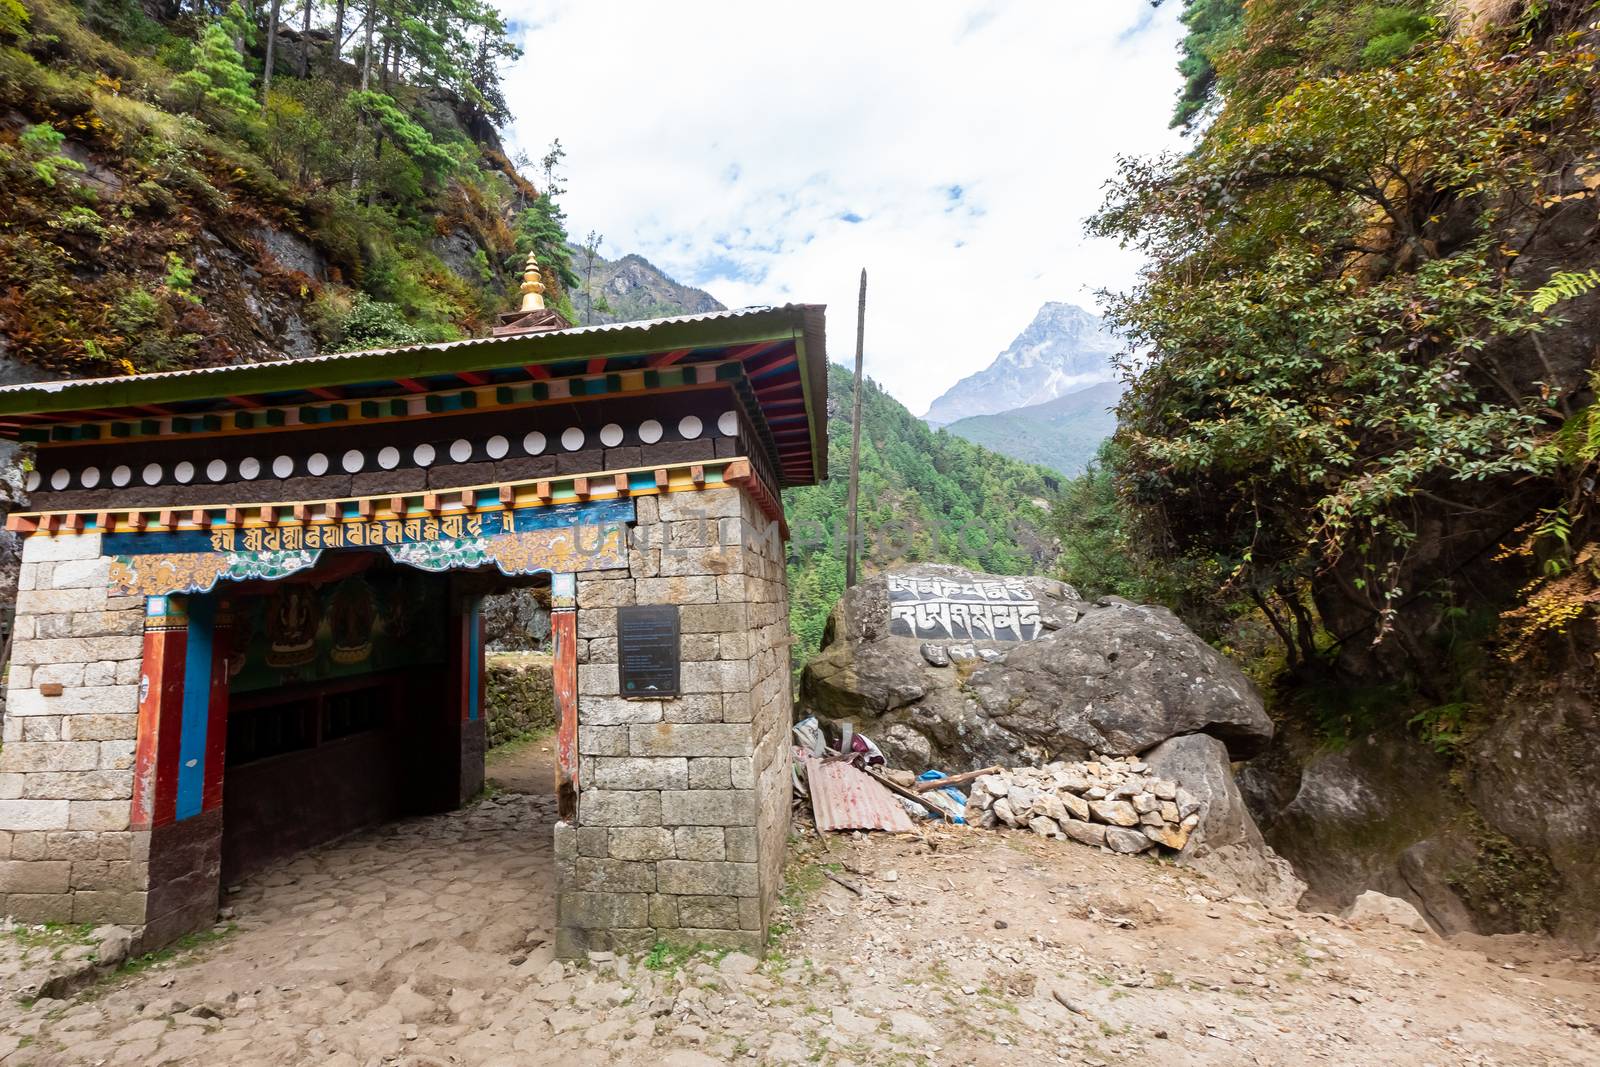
<point x="218" y="77"/>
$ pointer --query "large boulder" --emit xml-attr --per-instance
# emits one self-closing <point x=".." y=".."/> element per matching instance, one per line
<point x="947" y="667"/>
<point x="1226" y="845"/>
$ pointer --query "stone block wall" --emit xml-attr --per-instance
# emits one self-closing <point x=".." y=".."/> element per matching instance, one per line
<point x="682" y="810"/>
<point x="517" y="698"/>
<point x="66" y="766"/>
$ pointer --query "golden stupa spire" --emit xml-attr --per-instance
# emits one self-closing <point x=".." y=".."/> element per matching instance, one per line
<point x="532" y="285"/>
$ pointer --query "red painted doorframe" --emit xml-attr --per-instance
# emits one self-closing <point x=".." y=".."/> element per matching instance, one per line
<point x="564" y="682"/>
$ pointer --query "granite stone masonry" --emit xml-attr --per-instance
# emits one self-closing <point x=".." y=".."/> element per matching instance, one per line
<point x="67" y="850"/>
<point x="683" y="803"/>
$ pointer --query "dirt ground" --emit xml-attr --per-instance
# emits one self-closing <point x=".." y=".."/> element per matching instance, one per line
<point x="428" y="943"/>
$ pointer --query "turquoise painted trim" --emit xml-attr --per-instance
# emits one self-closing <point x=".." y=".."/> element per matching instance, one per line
<point x="474" y="654"/>
<point x="196" y="707"/>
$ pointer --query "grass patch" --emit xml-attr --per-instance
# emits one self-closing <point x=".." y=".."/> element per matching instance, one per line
<point x="671" y="955"/>
<point x="136" y="965"/>
<point x="516" y="743"/>
<point x="52" y="935"/>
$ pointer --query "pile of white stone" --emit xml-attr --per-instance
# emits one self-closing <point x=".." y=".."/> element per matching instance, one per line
<point x="1107" y="800"/>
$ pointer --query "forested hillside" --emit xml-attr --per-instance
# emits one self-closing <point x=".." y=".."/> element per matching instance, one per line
<point x="192" y="184"/>
<point x="1368" y="426"/>
<point x="925" y="495"/>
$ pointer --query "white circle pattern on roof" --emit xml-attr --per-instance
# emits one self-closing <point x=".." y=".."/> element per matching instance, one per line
<point x="572" y="438"/>
<point x="497" y="447"/>
<point x="611" y="435"/>
<point x="282" y="467"/>
<point x="60" y="479"/>
<point x="249" y="468"/>
<point x="184" y="472"/>
<point x="151" y="473"/>
<point x="534" y="443"/>
<point x="316" y="464"/>
<point x="353" y="461"/>
<point x="423" y="455"/>
<point x="649" y="431"/>
<point x="689" y="427"/>
<point x="728" y="423"/>
<point x="121" y="476"/>
<point x="90" y="477"/>
<point x="217" y="470"/>
<point x="34" y="480"/>
<point x="460" y="450"/>
<point x="388" y="457"/>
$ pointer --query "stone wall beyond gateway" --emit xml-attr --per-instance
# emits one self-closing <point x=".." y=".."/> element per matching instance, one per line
<point x="683" y="808"/>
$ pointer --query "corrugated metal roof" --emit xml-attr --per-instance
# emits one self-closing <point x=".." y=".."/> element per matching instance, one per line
<point x="844" y="798"/>
<point x="334" y="358"/>
<point x="254" y="384"/>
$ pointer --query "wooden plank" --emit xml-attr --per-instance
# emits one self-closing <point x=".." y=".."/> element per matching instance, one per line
<point x="954" y="779"/>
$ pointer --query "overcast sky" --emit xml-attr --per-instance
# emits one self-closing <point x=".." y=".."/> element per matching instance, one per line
<point x="767" y="151"/>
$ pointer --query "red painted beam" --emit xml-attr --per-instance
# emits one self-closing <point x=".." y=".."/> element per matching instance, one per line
<point x="411" y="385"/>
<point x="564" y="665"/>
<point x="472" y="377"/>
<point x="538" y="373"/>
<point x="217" y="711"/>
<point x="160" y="723"/>
<point x="667" y="359"/>
<point x="325" y="394"/>
<point x="598" y="365"/>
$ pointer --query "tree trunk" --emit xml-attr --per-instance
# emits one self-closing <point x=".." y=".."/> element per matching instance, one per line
<point x="366" y="53"/>
<point x="1292" y="660"/>
<point x="338" y="34"/>
<point x="272" y="46"/>
<point x="1305" y="627"/>
<point x="305" y="40"/>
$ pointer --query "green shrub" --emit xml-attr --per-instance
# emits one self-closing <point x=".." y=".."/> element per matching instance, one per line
<point x="376" y="324"/>
<point x="42" y="145"/>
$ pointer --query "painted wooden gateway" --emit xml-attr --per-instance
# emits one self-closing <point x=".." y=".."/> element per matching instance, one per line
<point x="248" y="612"/>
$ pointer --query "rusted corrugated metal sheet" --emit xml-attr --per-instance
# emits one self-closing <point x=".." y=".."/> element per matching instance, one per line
<point x="843" y="798"/>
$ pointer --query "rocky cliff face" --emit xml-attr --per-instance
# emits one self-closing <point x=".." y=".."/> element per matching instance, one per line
<point x="1494" y="835"/>
<point x="630" y="289"/>
<point x="1063" y="350"/>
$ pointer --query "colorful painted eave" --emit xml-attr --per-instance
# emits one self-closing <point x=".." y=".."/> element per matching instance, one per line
<point x="787" y="393"/>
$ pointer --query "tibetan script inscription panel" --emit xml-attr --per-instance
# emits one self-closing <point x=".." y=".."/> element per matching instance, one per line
<point x="943" y="609"/>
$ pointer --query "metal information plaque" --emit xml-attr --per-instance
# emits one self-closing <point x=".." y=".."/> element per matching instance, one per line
<point x="648" y="650"/>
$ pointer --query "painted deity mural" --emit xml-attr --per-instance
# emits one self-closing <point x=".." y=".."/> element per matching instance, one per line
<point x="360" y="625"/>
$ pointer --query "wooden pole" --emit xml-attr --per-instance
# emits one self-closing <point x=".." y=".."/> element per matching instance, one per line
<point x="855" y="440"/>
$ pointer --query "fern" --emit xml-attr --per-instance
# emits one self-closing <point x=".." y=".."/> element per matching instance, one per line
<point x="1563" y="285"/>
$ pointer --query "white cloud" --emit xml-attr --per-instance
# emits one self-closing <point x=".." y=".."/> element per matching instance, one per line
<point x="730" y="142"/>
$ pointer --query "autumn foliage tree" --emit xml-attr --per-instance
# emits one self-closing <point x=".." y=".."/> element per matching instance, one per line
<point x="1343" y="402"/>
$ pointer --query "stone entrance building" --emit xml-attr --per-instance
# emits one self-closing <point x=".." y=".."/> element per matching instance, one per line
<point x="247" y="619"/>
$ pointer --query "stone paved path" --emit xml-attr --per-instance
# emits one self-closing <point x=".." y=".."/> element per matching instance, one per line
<point x="428" y="943"/>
